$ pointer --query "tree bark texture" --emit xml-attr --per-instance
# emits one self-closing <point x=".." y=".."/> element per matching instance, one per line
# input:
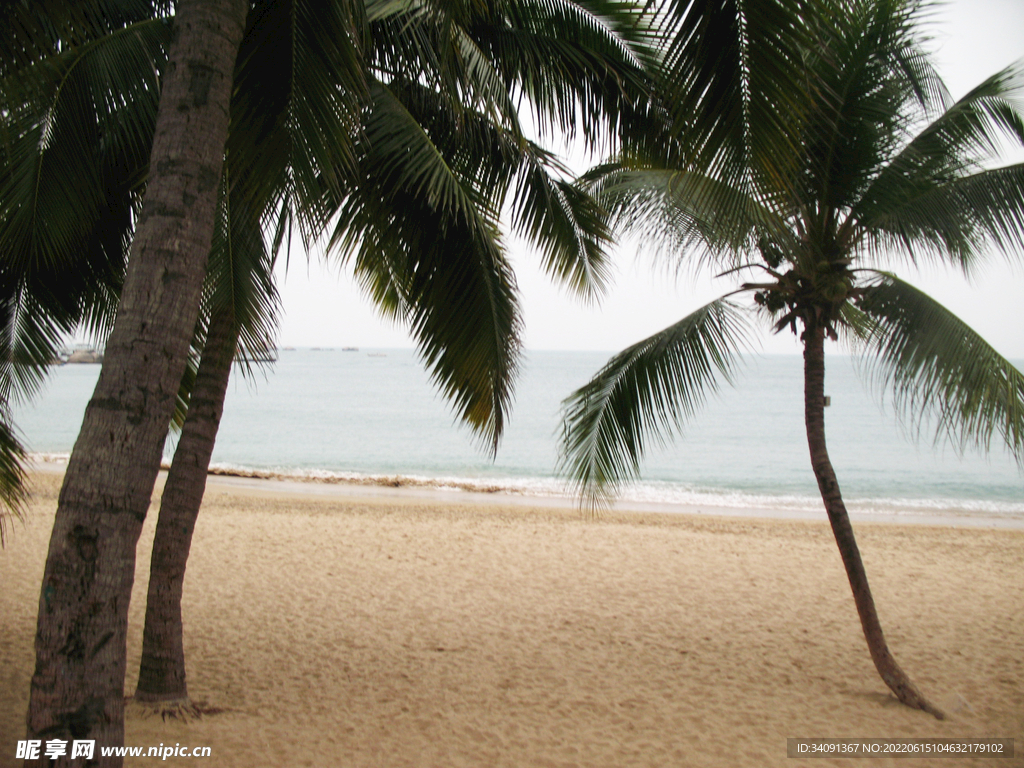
<point x="77" y="689"/>
<point x="162" y="669"/>
<point x="828" y="485"/>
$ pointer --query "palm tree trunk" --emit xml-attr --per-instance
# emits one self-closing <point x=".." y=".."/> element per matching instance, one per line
<point x="162" y="669"/>
<point x="814" y="417"/>
<point x="77" y="689"/>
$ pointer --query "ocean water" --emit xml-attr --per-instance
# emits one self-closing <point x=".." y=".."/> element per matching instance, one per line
<point x="374" y="414"/>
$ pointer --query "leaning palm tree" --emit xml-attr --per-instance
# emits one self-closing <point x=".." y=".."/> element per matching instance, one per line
<point x="80" y="643"/>
<point x="880" y="168"/>
<point x="237" y="323"/>
<point x="438" y="151"/>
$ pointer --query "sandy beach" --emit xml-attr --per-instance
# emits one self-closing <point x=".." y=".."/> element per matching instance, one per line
<point x="409" y="631"/>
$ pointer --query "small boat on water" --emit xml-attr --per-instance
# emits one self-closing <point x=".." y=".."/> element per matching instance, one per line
<point x="80" y="354"/>
<point x="256" y="356"/>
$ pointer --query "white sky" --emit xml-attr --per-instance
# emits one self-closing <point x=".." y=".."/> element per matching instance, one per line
<point x="973" y="39"/>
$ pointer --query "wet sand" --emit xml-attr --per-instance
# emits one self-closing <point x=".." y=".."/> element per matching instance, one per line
<point x="404" y="630"/>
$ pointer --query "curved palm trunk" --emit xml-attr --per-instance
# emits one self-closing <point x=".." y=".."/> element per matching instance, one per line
<point x="814" y="417"/>
<point x="77" y="690"/>
<point x="162" y="670"/>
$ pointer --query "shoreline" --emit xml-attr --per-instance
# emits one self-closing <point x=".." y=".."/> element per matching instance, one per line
<point x="482" y="493"/>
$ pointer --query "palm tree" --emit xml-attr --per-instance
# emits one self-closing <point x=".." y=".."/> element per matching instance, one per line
<point x="77" y="688"/>
<point x="429" y="254"/>
<point x="239" y="315"/>
<point x="880" y="167"/>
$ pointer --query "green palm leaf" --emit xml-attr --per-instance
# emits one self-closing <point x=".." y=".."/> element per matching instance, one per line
<point x="448" y="278"/>
<point x="12" y="476"/>
<point x="954" y="220"/>
<point x="31" y="31"/>
<point x="402" y="155"/>
<point x="300" y="83"/>
<point x="936" y="366"/>
<point x="564" y="221"/>
<point x="686" y="215"/>
<point x="934" y="195"/>
<point x="869" y="81"/>
<point x="729" y="67"/>
<point x="421" y="224"/>
<point x="240" y="278"/>
<point x="580" y="65"/>
<point x="67" y="156"/>
<point x="648" y="390"/>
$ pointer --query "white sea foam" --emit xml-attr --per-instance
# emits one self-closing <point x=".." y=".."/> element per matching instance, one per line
<point x="666" y="494"/>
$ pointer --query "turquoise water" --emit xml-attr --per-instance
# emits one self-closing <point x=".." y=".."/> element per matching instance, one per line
<point x="374" y="413"/>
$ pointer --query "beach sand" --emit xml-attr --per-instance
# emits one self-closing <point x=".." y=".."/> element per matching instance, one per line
<point x="404" y="631"/>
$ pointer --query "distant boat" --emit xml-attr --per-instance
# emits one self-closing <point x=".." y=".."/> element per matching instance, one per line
<point x="376" y="354"/>
<point x="260" y="356"/>
<point x="350" y="349"/>
<point x="81" y="354"/>
<point x="287" y="349"/>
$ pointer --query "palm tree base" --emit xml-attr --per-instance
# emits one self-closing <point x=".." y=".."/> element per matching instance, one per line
<point x="906" y="692"/>
<point x="182" y="708"/>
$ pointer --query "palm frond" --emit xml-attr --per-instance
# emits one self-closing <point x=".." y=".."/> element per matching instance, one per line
<point x="466" y="318"/>
<point x="689" y="215"/>
<point x="732" y="80"/>
<point x="12" y="475"/>
<point x="70" y="183"/>
<point x="72" y="146"/>
<point x="484" y="88"/>
<point x="482" y="152"/>
<point x="935" y="196"/>
<point x="969" y="132"/>
<point x="300" y="83"/>
<point x="77" y="119"/>
<point x="648" y="390"/>
<point x="31" y="31"/>
<point x="867" y="81"/>
<point x="402" y="156"/>
<point x="936" y="367"/>
<point x="957" y="221"/>
<point x="421" y="223"/>
<point x="565" y="221"/>
<point x="31" y="337"/>
<point x="240" y="280"/>
<point x="580" y="65"/>
<point x="450" y="281"/>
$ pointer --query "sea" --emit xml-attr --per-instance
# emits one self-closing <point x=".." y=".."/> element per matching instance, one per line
<point x="373" y="416"/>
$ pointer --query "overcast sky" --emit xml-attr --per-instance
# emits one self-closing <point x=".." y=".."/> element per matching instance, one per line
<point x="973" y="39"/>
